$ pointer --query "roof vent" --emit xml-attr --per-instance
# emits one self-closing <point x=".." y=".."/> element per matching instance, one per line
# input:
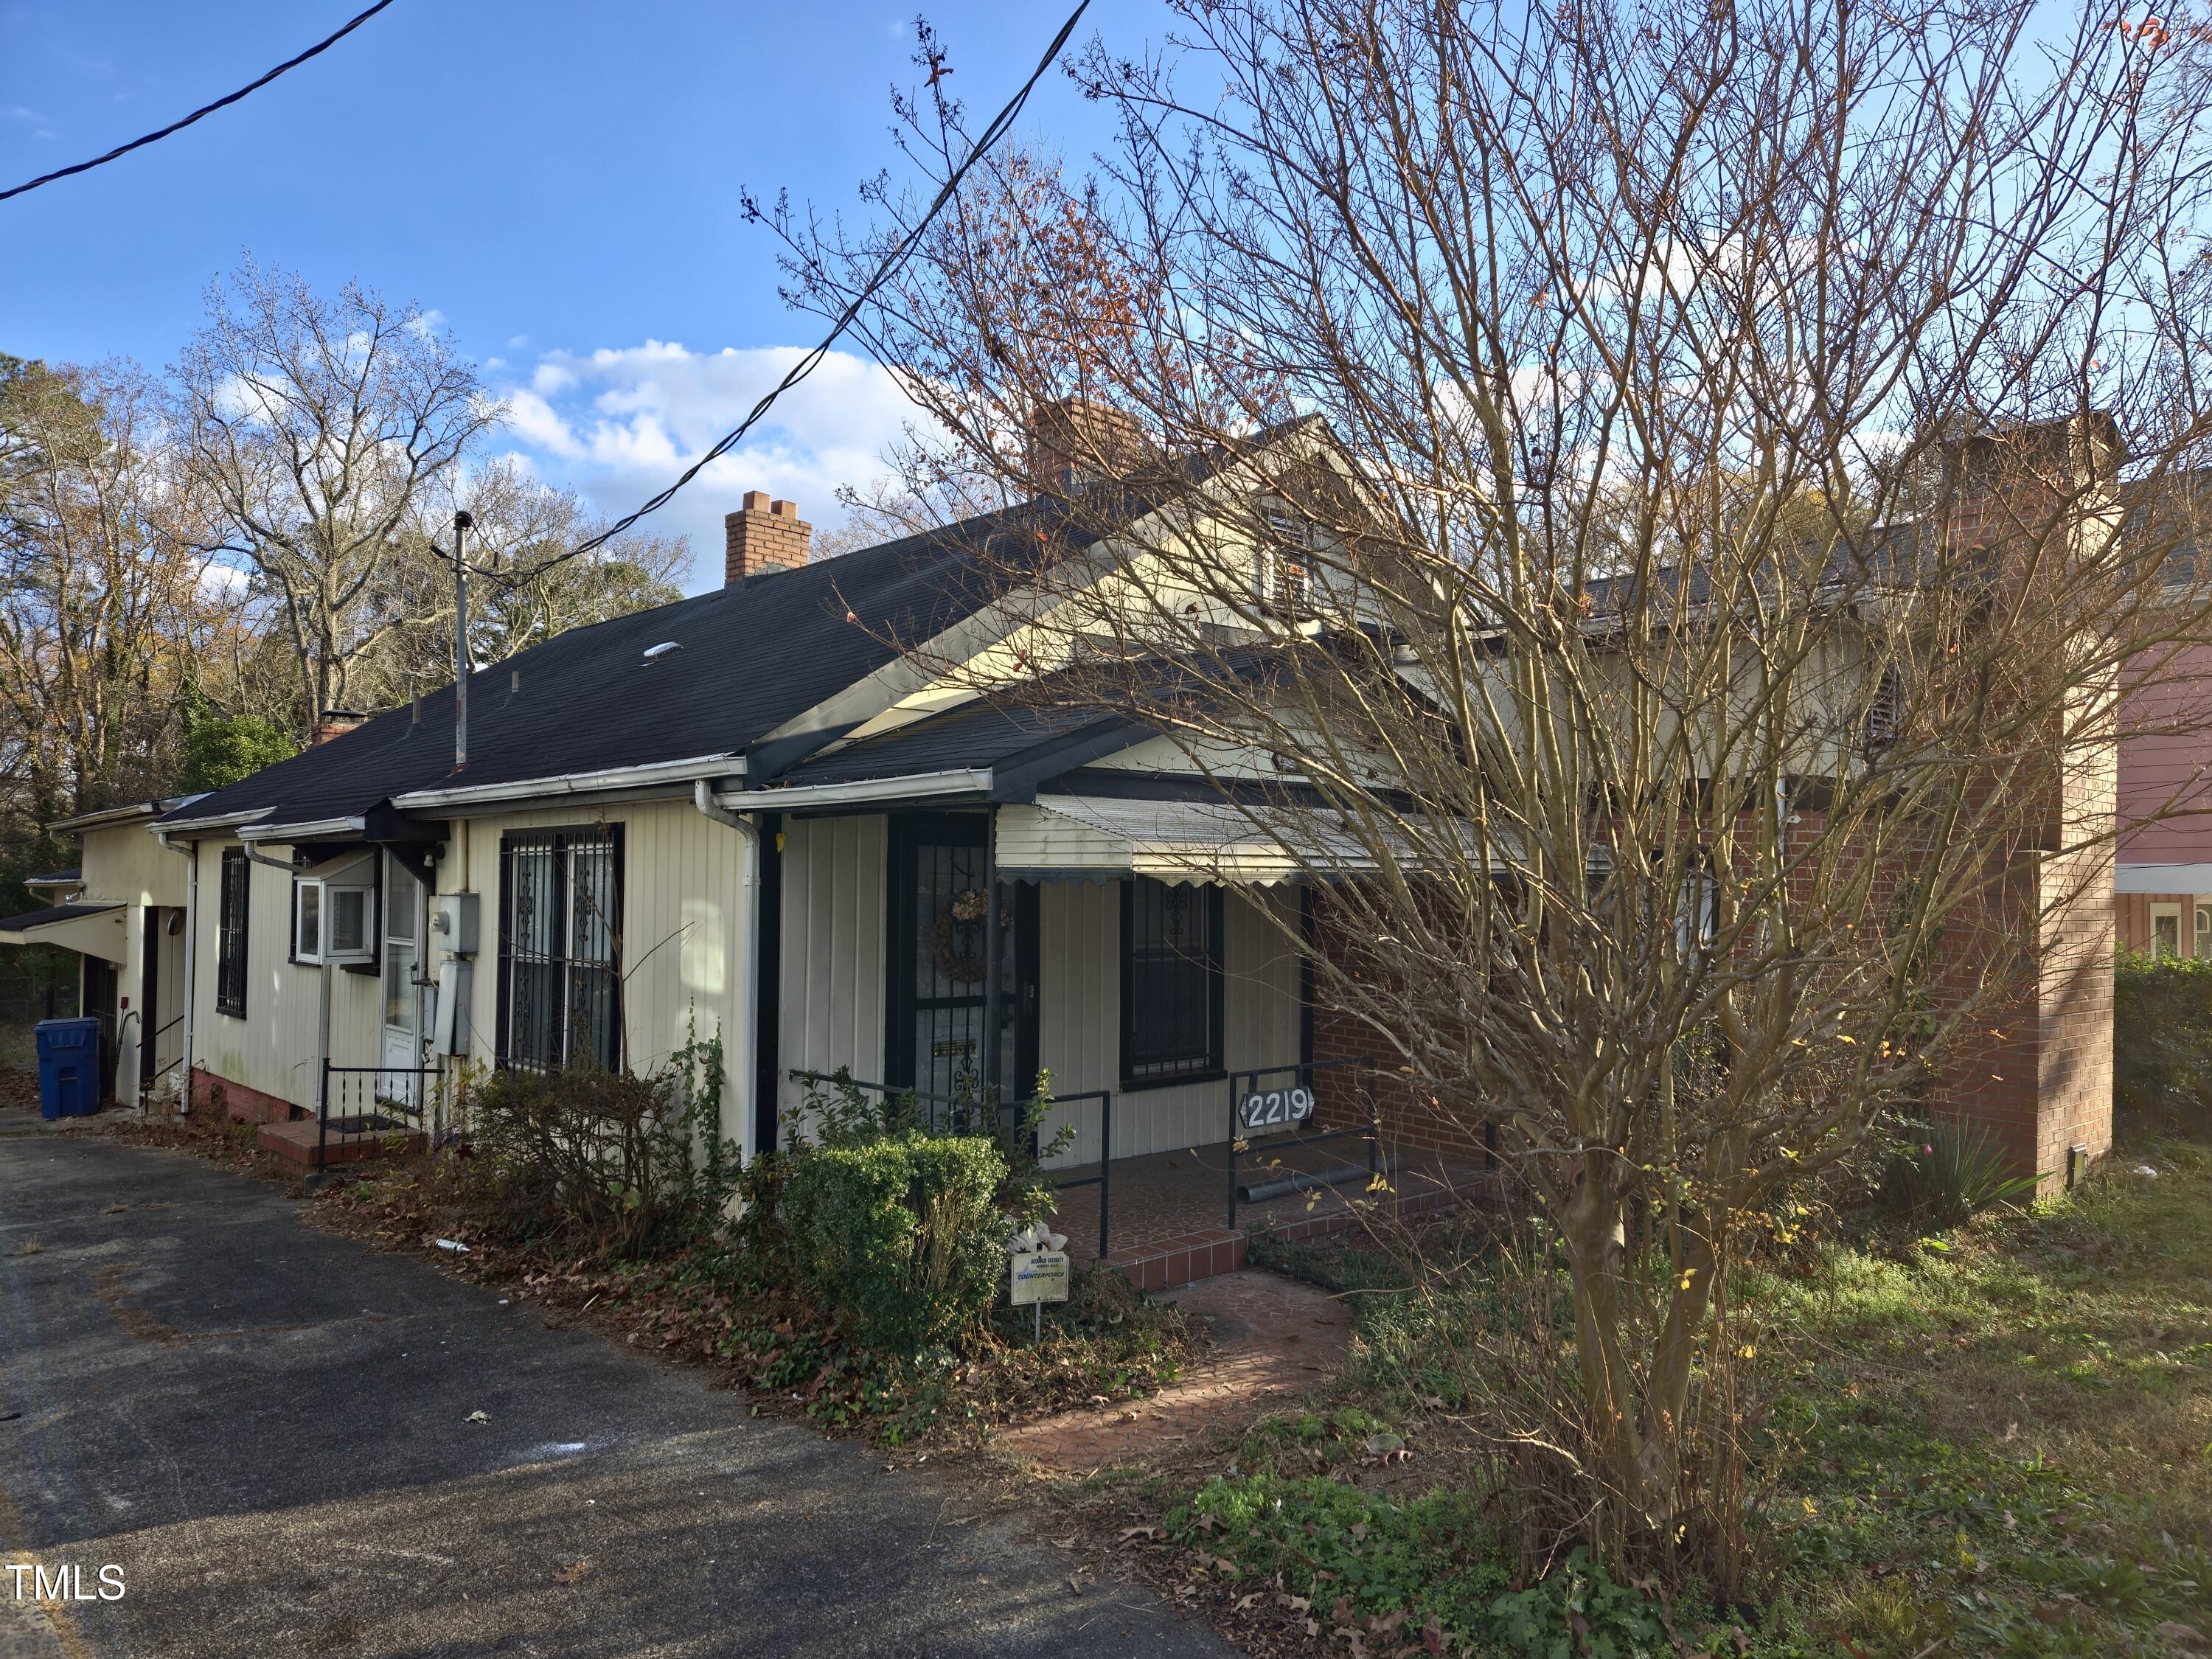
<point x="655" y="652"/>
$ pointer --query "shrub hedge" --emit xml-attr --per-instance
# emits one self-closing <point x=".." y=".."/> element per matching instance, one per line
<point x="902" y="1235"/>
<point x="2162" y="1046"/>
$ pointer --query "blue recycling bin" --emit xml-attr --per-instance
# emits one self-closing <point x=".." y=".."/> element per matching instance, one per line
<point x="69" y="1067"/>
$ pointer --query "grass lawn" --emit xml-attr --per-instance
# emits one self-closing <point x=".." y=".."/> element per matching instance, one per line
<point x="1998" y="1442"/>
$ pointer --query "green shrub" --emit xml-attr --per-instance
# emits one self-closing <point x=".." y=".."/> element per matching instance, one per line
<point x="2162" y="1046"/>
<point x="903" y="1234"/>
<point x="1943" y="1172"/>
<point x="839" y="1112"/>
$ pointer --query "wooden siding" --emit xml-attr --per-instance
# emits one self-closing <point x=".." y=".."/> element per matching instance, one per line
<point x="834" y="994"/>
<point x="273" y="1048"/>
<point x="686" y="920"/>
<point x="2167" y="774"/>
<point x="1079" y="1019"/>
<point x="2132" y="917"/>
<point x="834" y="934"/>
<point x="124" y="861"/>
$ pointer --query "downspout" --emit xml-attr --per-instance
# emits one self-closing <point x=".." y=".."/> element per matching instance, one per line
<point x="702" y="797"/>
<point x="191" y="853"/>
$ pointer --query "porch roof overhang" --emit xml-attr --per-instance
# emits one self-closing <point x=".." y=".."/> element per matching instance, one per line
<point x="93" y="928"/>
<point x="1103" y="838"/>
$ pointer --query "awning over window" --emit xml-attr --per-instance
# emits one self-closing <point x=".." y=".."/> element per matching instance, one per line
<point x="1093" y="838"/>
<point x="94" y="928"/>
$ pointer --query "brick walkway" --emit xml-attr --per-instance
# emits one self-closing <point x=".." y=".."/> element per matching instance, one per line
<point x="1275" y="1340"/>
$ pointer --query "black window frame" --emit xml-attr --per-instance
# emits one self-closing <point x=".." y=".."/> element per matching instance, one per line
<point x="563" y="843"/>
<point x="234" y="921"/>
<point x="1200" y="1067"/>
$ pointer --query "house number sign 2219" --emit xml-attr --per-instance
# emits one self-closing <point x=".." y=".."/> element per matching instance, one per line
<point x="1272" y="1108"/>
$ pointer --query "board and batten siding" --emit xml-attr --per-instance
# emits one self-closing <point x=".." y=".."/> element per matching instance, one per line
<point x="835" y="935"/>
<point x="687" y="919"/>
<point x="686" y="922"/>
<point x="834" y="994"/>
<point x="273" y="1048"/>
<point x="124" y="861"/>
<point x="1079" y="1019"/>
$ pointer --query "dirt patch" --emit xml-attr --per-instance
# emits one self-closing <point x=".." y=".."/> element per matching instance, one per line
<point x="147" y="1327"/>
<point x="1274" y="1339"/>
<point x="143" y="1326"/>
<point x="19" y="1090"/>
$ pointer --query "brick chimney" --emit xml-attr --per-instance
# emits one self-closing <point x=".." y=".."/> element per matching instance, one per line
<point x="1075" y="442"/>
<point x="335" y="723"/>
<point x="762" y="535"/>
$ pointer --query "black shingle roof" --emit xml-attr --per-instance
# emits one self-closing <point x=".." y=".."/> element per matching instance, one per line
<point x="753" y="655"/>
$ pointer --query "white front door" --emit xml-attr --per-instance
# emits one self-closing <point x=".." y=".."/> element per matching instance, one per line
<point x="403" y="997"/>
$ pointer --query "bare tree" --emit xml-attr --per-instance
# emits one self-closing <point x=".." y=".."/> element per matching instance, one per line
<point x="1648" y="506"/>
<point x="104" y="607"/>
<point x="316" y="427"/>
<point x="525" y="588"/>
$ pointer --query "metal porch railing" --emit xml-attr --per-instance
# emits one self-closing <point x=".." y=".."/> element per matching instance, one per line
<point x="169" y="1065"/>
<point x="944" y="1109"/>
<point x="1254" y="1109"/>
<point x="375" y="1099"/>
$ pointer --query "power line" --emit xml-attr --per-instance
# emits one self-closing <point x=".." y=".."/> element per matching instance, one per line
<point x="322" y="46"/>
<point x="807" y="365"/>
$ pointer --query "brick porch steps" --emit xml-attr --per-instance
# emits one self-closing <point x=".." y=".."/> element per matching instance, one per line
<point x="300" y="1140"/>
<point x="1171" y="1263"/>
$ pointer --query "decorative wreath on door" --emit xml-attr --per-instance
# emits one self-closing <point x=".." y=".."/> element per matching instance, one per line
<point x="958" y="939"/>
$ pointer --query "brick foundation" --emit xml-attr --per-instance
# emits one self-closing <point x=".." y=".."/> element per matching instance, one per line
<point x="239" y="1102"/>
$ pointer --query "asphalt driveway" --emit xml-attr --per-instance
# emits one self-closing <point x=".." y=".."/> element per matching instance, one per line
<point x="268" y="1429"/>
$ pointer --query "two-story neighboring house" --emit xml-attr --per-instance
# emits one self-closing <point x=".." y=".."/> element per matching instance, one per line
<point x="2163" y="887"/>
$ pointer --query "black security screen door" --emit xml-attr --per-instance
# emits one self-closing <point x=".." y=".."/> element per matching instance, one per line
<point x="939" y="953"/>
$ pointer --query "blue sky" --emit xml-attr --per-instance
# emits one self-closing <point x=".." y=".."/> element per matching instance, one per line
<point x="557" y="180"/>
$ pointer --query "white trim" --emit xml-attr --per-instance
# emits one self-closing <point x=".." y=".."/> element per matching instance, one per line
<point x="578" y="783"/>
<point x="965" y="781"/>
<point x="124" y="814"/>
<point x="220" y="821"/>
<point x="318" y="830"/>
<point x="2190" y="878"/>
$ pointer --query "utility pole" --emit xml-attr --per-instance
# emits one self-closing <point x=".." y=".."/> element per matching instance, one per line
<point x="461" y="523"/>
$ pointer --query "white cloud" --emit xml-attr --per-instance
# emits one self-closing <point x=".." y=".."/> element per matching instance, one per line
<point x="619" y="424"/>
<point x="19" y="112"/>
<point x="223" y="584"/>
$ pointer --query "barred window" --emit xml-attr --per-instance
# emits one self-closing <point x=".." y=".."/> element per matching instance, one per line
<point x="1170" y="982"/>
<point x="230" y="934"/>
<point x="560" y="986"/>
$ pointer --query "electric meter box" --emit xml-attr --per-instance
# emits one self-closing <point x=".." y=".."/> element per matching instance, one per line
<point x="454" y="923"/>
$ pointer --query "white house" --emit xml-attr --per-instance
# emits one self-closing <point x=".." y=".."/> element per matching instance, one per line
<point x="747" y="813"/>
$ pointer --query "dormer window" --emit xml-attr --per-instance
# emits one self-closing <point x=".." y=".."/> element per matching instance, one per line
<point x="1281" y="574"/>
<point x="1885" y="714"/>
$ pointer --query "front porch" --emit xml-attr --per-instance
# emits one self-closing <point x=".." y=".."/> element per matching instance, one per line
<point x="1168" y="1214"/>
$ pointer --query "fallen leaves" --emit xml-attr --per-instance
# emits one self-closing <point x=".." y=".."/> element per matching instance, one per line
<point x="573" y="1573"/>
